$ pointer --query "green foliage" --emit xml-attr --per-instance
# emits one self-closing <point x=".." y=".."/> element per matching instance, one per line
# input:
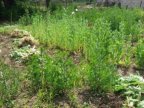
<point x="140" y="54"/>
<point x="17" y="10"/>
<point x="132" y="87"/>
<point x="9" y="84"/>
<point x="24" y="53"/>
<point x="53" y="76"/>
<point x="103" y="39"/>
<point x="115" y="16"/>
<point x="55" y="5"/>
<point x="102" y="77"/>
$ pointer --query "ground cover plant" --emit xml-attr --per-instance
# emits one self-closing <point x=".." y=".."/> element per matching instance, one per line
<point x="132" y="86"/>
<point x="83" y="52"/>
<point x="9" y="85"/>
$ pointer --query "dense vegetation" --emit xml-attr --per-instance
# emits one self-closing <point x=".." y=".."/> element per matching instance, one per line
<point x="80" y="50"/>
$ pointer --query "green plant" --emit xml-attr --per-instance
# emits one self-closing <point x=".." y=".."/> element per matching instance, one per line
<point x="132" y="87"/>
<point x="140" y="54"/>
<point x="93" y="33"/>
<point x="52" y="76"/>
<point x="9" y="84"/>
<point x="102" y="78"/>
<point x="23" y="53"/>
<point x="104" y="38"/>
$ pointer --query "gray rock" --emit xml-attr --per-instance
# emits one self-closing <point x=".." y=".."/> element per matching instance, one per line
<point x="123" y="3"/>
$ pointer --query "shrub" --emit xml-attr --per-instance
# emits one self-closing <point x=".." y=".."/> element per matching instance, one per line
<point x="140" y="54"/>
<point x="102" y="77"/>
<point x="115" y="16"/>
<point x="53" y="77"/>
<point x="102" y="72"/>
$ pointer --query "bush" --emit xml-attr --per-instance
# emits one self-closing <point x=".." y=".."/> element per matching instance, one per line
<point x="140" y="54"/>
<point x="115" y="16"/>
<point x="53" y="77"/>
<point x="102" y="78"/>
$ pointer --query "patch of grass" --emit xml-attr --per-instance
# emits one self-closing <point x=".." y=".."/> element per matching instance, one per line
<point x="7" y="28"/>
<point x="102" y="78"/>
<point x="103" y="37"/>
<point x="140" y="54"/>
<point x="9" y="84"/>
<point x="52" y="76"/>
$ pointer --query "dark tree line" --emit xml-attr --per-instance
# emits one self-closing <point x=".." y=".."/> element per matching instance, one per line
<point x="10" y="3"/>
<point x="47" y="3"/>
<point x="14" y="9"/>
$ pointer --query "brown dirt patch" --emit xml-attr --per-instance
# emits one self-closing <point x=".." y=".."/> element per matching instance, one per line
<point x="6" y="46"/>
<point x="132" y="69"/>
<point x="106" y="101"/>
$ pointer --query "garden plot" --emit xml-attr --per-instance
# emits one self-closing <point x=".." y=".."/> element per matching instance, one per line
<point x="88" y="59"/>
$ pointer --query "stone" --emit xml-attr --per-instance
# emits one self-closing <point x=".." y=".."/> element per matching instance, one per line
<point x="122" y="3"/>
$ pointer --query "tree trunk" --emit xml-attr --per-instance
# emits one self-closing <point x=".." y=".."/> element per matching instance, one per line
<point x="47" y="3"/>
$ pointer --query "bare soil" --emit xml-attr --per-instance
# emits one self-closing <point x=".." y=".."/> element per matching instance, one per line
<point x="6" y="46"/>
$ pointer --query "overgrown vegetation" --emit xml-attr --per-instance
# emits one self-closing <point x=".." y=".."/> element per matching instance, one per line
<point x="84" y="50"/>
<point x="9" y="85"/>
<point x="132" y="88"/>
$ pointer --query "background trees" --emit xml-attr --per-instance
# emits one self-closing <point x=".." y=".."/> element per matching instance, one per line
<point x="47" y="3"/>
<point x="14" y="9"/>
<point x="8" y="3"/>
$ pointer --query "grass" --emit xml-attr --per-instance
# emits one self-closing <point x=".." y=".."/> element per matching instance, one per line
<point x="9" y="85"/>
<point x="103" y="36"/>
<point x="87" y="47"/>
<point x="73" y="35"/>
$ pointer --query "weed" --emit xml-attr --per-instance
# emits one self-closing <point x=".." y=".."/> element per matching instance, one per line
<point x="132" y="88"/>
<point x="140" y="54"/>
<point x="9" y="84"/>
<point x="105" y="38"/>
<point x="54" y="76"/>
<point x="24" y="53"/>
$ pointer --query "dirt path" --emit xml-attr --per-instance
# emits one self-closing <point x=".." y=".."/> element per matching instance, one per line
<point x="6" y="46"/>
